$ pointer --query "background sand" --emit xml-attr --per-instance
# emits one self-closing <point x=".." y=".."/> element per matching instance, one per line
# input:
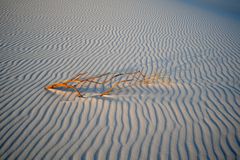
<point x="191" y="113"/>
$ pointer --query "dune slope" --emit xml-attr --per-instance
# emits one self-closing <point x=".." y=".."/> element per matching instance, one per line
<point x="191" y="112"/>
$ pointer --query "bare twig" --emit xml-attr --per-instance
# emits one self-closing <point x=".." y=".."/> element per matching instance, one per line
<point x="110" y="78"/>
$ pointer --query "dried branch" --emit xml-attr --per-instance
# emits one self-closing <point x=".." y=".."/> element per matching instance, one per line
<point x="115" y="79"/>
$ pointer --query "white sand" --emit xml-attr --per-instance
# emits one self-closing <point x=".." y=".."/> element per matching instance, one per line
<point x="192" y="113"/>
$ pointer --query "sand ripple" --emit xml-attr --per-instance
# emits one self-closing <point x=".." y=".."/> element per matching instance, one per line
<point x="191" y="112"/>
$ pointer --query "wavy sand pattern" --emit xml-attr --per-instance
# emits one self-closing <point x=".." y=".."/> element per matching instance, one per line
<point x="192" y="112"/>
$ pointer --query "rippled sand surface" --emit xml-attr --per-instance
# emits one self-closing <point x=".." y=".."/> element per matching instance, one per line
<point x="191" y="112"/>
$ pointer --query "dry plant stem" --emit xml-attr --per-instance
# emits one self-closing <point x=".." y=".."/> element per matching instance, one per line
<point x="99" y="76"/>
<point x="114" y="85"/>
<point x="117" y="75"/>
<point x="77" y="80"/>
<point x="78" y="75"/>
<point x="64" y="85"/>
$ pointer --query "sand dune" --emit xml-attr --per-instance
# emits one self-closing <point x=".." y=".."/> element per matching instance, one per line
<point x="191" y="112"/>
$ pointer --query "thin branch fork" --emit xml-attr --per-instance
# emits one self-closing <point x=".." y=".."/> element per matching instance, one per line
<point x="95" y="79"/>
